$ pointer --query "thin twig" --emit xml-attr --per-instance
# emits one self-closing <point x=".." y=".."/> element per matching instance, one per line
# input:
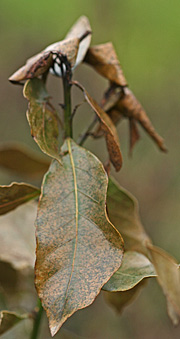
<point x="37" y="320"/>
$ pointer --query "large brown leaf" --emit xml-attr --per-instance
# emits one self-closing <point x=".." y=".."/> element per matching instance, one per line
<point x="168" y="276"/>
<point x="78" y="249"/>
<point x="22" y="160"/>
<point x="42" y="120"/>
<point x="108" y="128"/>
<point x="123" y="211"/>
<point x="17" y="236"/>
<point x="9" y="319"/>
<point x="104" y="59"/>
<point x="135" y="267"/>
<point x="16" y="194"/>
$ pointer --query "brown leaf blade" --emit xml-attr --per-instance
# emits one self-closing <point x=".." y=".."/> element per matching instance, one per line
<point x="108" y="128"/>
<point x="16" y="194"/>
<point x="130" y="107"/>
<point x="22" y="160"/>
<point x="17" y="237"/>
<point x="104" y="59"/>
<point x="43" y="121"/>
<point x="123" y="211"/>
<point x="135" y="267"/>
<point x="77" y="31"/>
<point x="168" y="276"/>
<point x="10" y="319"/>
<point x="78" y="249"/>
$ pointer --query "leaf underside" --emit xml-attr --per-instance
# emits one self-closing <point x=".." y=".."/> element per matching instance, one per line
<point x="16" y="194"/>
<point x="78" y="249"/>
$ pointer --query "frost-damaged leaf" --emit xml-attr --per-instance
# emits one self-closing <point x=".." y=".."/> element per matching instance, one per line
<point x="42" y="120"/>
<point x="168" y="276"/>
<point x="16" y="194"/>
<point x="9" y="319"/>
<point x="135" y="267"/>
<point x="17" y="236"/>
<point x="81" y="27"/>
<point x="130" y="107"/>
<point x="78" y="249"/>
<point x="22" y="160"/>
<point x="119" y="300"/>
<point x="108" y="128"/>
<point x="104" y="59"/>
<point x="123" y="211"/>
<point x="134" y="133"/>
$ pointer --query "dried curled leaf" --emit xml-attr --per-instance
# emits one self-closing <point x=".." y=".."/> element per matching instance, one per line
<point x="80" y="28"/>
<point x="108" y="128"/>
<point x="16" y="194"/>
<point x="17" y="236"/>
<point x="42" y="120"/>
<point x="22" y="160"/>
<point x="74" y="46"/>
<point x="9" y="319"/>
<point x="104" y="59"/>
<point x="123" y="211"/>
<point x="78" y="249"/>
<point x="168" y="276"/>
<point x="130" y="107"/>
<point x="135" y="267"/>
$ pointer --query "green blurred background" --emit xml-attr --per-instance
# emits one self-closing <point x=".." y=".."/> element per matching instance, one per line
<point x="146" y="37"/>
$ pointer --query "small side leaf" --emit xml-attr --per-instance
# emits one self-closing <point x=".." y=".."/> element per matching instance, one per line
<point x="10" y="319"/>
<point x="135" y="267"/>
<point x="22" y="160"/>
<point x="42" y="120"/>
<point x="78" y="249"/>
<point x="168" y="276"/>
<point x="123" y="211"/>
<point x="16" y="194"/>
<point x="104" y="59"/>
<point x="108" y="128"/>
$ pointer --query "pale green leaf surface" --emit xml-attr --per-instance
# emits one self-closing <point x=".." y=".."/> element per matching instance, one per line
<point x="123" y="211"/>
<point x="135" y="267"/>
<point x="78" y="249"/>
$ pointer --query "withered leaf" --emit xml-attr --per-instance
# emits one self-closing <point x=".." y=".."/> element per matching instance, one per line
<point x="17" y="236"/>
<point x="135" y="267"/>
<point x="74" y="46"/>
<point x="168" y="276"/>
<point x="78" y="249"/>
<point x="119" y="300"/>
<point x="22" y="160"/>
<point x="108" y="128"/>
<point x="16" y="194"/>
<point x="81" y="27"/>
<point x="43" y="121"/>
<point x="130" y="107"/>
<point x="9" y="319"/>
<point x="123" y="211"/>
<point x="104" y="59"/>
